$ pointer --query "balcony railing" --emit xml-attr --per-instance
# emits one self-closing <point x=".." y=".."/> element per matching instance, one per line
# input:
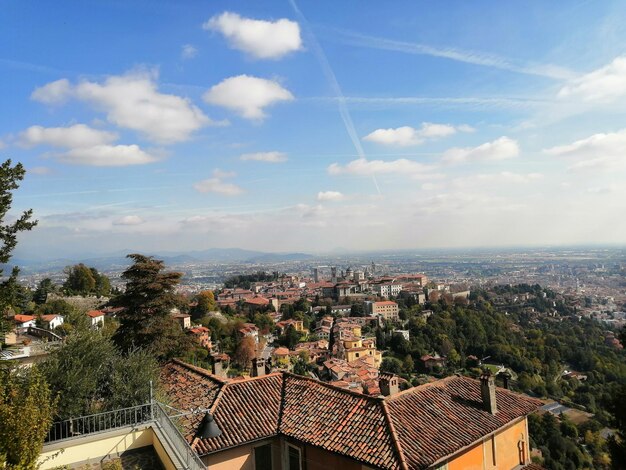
<point x="150" y="413"/>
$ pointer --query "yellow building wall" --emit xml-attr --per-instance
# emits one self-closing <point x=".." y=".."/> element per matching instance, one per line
<point x="507" y="450"/>
<point x="96" y="449"/>
<point x="319" y="459"/>
<point x="242" y="457"/>
<point x="469" y="460"/>
<point x="505" y="446"/>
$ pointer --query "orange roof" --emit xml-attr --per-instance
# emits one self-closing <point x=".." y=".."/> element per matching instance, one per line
<point x="95" y="313"/>
<point x="49" y="317"/>
<point x="23" y="318"/>
<point x="281" y="351"/>
<point x="385" y="302"/>
<point x="257" y="301"/>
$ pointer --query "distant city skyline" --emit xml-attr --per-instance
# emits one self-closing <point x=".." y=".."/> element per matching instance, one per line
<point x="295" y="126"/>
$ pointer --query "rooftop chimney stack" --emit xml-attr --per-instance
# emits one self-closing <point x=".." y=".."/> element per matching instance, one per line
<point x="258" y="367"/>
<point x="217" y="368"/>
<point x="488" y="392"/>
<point x="388" y="384"/>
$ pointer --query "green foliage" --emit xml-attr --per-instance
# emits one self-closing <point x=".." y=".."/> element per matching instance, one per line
<point x="83" y="280"/>
<point x="89" y="374"/>
<point x="391" y="365"/>
<point x="205" y="303"/>
<point x="44" y="288"/>
<point x="10" y="176"/>
<point x="146" y="321"/>
<point x="244" y="280"/>
<point x="26" y="409"/>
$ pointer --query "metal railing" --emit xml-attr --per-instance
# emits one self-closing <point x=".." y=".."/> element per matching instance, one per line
<point x="154" y="413"/>
<point x="177" y="440"/>
<point x="100" y="422"/>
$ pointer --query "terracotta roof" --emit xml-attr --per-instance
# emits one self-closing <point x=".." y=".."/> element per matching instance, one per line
<point x="245" y="411"/>
<point x="533" y="466"/>
<point x="49" y="318"/>
<point x="23" y="318"/>
<point x="95" y="313"/>
<point x="257" y="301"/>
<point x="428" y="418"/>
<point x="410" y="430"/>
<point x="337" y="420"/>
<point x="189" y="387"/>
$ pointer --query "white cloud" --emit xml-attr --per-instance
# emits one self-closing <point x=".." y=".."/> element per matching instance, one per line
<point x="223" y="174"/>
<point x="188" y="51"/>
<point x="53" y="93"/>
<point x="503" y="177"/>
<point x="406" y="136"/>
<point x="258" y="38"/>
<point x="133" y="101"/>
<point x="78" y="135"/>
<point x="329" y="196"/>
<point x="107" y="155"/>
<point x="598" y="145"/>
<point x="603" y="84"/>
<point x="500" y="149"/>
<point x="269" y="157"/>
<point x="129" y="220"/>
<point x="247" y="95"/>
<point x="39" y="170"/>
<point x="216" y="185"/>
<point x="364" y="167"/>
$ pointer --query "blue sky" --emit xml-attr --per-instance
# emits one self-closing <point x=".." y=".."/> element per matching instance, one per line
<point x="281" y="126"/>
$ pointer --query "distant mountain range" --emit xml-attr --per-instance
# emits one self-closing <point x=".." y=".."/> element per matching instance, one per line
<point x="118" y="259"/>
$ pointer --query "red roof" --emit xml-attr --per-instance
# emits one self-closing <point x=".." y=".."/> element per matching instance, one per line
<point x="257" y="301"/>
<point x="23" y="318"/>
<point x="49" y="318"/>
<point x="95" y="313"/>
<point x="412" y="429"/>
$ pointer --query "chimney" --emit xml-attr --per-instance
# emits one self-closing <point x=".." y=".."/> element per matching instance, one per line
<point x="506" y="376"/>
<point x="217" y="368"/>
<point x="488" y="392"/>
<point x="388" y="384"/>
<point x="258" y="367"/>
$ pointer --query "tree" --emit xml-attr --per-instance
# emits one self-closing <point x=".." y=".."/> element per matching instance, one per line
<point x="391" y="365"/>
<point x="80" y="280"/>
<point x="245" y="352"/>
<point x="205" y="303"/>
<point x="44" y="288"/>
<point x="146" y="321"/>
<point x="90" y="374"/>
<point x="408" y="366"/>
<point x="10" y="176"/>
<point x="26" y="409"/>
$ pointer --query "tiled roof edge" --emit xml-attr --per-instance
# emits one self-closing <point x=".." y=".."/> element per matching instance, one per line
<point x="200" y="371"/>
<point x="394" y="436"/>
<point x="327" y="385"/>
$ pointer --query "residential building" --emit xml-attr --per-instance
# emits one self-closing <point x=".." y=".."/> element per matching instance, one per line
<point x="24" y="321"/>
<point x="387" y="289"/>
<point x="250" y="329"/>
<point x="50" y="322"/>
<point x="183" y="319"/>
<point x="203" y="335"/>
<point x="286" y="421"/>
<point x="96" y="317"/>
<point x="386" y="309"/>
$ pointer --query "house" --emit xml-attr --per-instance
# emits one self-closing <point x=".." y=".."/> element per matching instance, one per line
<point x="249" y="329"/>
<point x="50" y="322"/>
<point x="283" y="325"/>
<point x="96" y="317"/>
<point x="432" y="361"/>
<point x="203" y="335"/>
<point x="24" y="321"/>
<point x="385" y="309"/>
<point x="282" y="420"/>
<point x="183" y="319"/>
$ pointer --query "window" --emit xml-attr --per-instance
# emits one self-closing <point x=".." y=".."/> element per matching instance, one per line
<point x="294" y="461"/>
<point x="263" y="457"/>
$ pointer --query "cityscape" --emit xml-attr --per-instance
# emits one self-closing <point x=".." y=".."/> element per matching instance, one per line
<point x="290" y="235"/>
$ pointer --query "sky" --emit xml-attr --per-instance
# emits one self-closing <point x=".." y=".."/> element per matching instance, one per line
<point x="314" y="126"/>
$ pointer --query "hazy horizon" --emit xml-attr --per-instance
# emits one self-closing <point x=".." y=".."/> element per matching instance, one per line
<point x="291" y="127"/>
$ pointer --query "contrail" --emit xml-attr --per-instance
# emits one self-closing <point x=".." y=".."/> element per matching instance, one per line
<point x="332" y="79"/>
<point x="471" y="57"/>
